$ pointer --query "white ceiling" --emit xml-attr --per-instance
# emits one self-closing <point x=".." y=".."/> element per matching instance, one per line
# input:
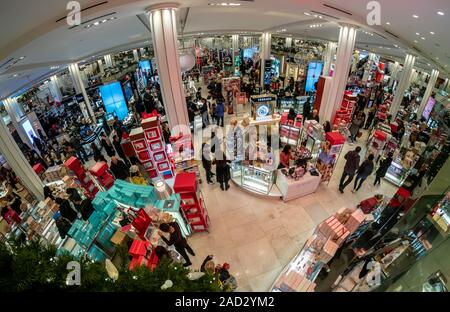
<point x="29" y="28"/>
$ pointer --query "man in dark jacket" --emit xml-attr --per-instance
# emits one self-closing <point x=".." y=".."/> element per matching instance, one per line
<point x="382" y="170"/>
<point x="364" y="171"/>
<point x="206" y="162"/>
<point x="350" y="168"/>
<point x="176" y="239"/>
<point x="119" y="169"/>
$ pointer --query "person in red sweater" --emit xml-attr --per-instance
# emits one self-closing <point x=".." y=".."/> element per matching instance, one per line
<point x="285" y="156"/>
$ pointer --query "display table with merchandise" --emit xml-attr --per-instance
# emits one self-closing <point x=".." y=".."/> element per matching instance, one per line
<point x="292" y="188"/>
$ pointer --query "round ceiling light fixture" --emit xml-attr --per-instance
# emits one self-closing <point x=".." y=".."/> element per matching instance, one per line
<point x="440" y="13"/>
<point x="415" y="16"/>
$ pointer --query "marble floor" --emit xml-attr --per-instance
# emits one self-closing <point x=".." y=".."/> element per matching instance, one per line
<point x="258" y="236"/>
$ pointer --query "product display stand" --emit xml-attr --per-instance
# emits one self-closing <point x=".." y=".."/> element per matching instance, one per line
<point x="291" y="188"/>
<point x="192" y="203"/>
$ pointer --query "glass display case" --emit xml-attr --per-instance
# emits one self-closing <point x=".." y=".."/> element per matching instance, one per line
<point x="255" y="179"/>
<point x="396" y="173"/>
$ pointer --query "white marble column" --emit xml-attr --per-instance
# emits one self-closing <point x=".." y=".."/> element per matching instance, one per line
<point x="100" y="66"/>
<point x="235" y="46"/>
<point x="403" y="84"/>
<point x="136" y="55"/>
<point x="108" y="60"/>
<point x="15" y="112"/>
<point x="428" y="92"/>
<point x="74" y="72"/>
<point x="328" y="55"/>
<point x="163" y="25"/>
<point x="266" y="41"/>
<point x="18" y="163"/>
<point x="55" y="86"/>
<point x="345" y="47"/>
<point x="288" y="42"/>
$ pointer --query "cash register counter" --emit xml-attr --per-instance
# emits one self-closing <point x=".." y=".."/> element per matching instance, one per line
<point x="292" y="189"/>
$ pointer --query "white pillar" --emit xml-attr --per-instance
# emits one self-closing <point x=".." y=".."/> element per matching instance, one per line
<point x="288" y="42"/>
<point x="15" y="112"/>
<point x="346" y="44"/>
<point x="330" y="51"/>
<point x="394" y="73"/>
<point x="235" y="46"/>
<point x="74" y="72"/>
<point x="136" y="55"/>
<point x="55" y="87"/>
<point x="100" y="66"/>
<point x="18" y="163"/>
<point x="266" y="41"/>
<point x="403" y="84"/>
<point x="108" y="60"/>
<point x="428" y="92"/>
<point x="163" y="25"/>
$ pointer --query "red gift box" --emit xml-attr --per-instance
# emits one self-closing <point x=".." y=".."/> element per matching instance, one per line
<point x="380" y="135"/>
<point x="284" y="118"/>
<point x="185" y="182"/>
<point x="335" y="138"/>
<point x="381" y="116"/>
<point x="99" y="169"/>
<point x="73" y="163"/>
<point x="128" y="148"/>
<point x="141" y="223"/>
<point x="138" y="248"/>
<point x="38" y="168"/>
<point x="151" y="122"/>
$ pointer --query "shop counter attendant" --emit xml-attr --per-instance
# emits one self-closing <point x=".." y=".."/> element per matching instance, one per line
<point x="285" y="157"/>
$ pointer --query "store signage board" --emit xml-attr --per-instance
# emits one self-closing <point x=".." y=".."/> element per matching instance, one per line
<point x="264" y="99"/>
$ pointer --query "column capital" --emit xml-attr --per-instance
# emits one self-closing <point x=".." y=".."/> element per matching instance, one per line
<point x="164" y="5"/>
<point x="343" y="24"/>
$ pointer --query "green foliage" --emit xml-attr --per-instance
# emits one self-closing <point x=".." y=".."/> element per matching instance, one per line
<point x="36" y="267"/>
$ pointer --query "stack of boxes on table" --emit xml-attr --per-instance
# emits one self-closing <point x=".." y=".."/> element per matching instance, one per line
<point x="86" y="182"/>
<point x="44" y="213"/>
<point x="55" y="173"/>
<point x="101" y="173"/>
<point x="150" y="148"/>
<point x="345" y="112"/>
<point x="319" y="250"/>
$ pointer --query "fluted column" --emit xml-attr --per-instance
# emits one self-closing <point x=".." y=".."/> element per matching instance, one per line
<point x="328" y="57"/>
<point x="87" y="110"/>
<point x="266" y="41"/>
<point x="403" y="84"/>
<point x="345" y="47"/>
<point x="163" y="24"/>
<point x="18" y="163"/>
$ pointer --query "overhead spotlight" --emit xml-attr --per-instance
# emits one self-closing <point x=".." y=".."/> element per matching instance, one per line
<point x="388" y="23"/>
<point x="415" y="16"/>
<point x="416" y="41"/>
<point x="440" y="13"/>
<point x="307" y="14"/>
<point x="320" y="16"/>
<point x="432" y="32"/>
<point x="15" y="75"/>
<point x="21" y="58"/>
<point x="423" y="38"/>
<point x="104" y="21"/>
<point x="96" y="23"/>
<point x="418" y="34"/>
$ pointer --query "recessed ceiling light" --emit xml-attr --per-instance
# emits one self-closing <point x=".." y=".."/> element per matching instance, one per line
<point x="428" y="64"/>
<point x="416" y="41"/>
<point x="97" y="23"/>
<point x="423" y="38"/>
<point x="440" y="13"/>
<point x="21" y="58"/>
<point x="432" y="32"/>
<point x="437" y="58"/>
<point x="307" y="14"/>
<point x="418" y="34"/>
<point x="104" y="21"/>
<point x="415" y="16"/>
<point x="15" y="75"/>
<point x="320" y="16"/>
<point x="388" y="23"/>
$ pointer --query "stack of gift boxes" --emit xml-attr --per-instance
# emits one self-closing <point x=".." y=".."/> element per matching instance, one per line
<point x="142" y="255"/>
<point x="321" y="247"/>
<point x="101" y="173"/>
<point x="150" y="148"/>
<point x="55" y="173"/>
<point x="86" y="182"/>
<point x="345" y="112"/>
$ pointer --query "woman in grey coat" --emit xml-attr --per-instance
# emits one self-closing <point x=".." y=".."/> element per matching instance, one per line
<point x="356" y="124"/>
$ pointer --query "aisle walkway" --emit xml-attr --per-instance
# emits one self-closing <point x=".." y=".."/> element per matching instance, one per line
<point x="258" y="237"/>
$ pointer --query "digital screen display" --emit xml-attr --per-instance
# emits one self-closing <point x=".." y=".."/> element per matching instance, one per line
<point x="29" y="130"/>
<point x="145" y="66"/>
<point x="429" y="107"/>
<point x="314" y="71"/>
<point x="114" y="100"/>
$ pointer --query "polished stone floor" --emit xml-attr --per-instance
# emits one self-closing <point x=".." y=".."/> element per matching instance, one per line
<point x="258" y="236"/>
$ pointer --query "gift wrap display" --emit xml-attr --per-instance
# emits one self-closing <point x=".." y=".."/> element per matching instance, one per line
<point x="98" y="237"/>
<point x="300" y="274"/>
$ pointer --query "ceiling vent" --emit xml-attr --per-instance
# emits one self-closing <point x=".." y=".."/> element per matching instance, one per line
<point x="390" y="33"/>
<point x="337" y="9"/>
<point x="325" y="14"/>
<point x="83" y="10"/>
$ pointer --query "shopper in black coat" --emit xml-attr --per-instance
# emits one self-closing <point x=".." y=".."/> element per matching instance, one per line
<point x="363" y="172"/>
<point x="63" y="225"/>
<point x="382" y="170"/>
<point x="206" y="162"/>
<point x="223" y="172"/>
<point x="351" y="166"/>
<point x="118" y="146"/>
<point x="66" y="209"/>
<point x="98" y="156"/>
<point x="84" y="206"/>
<point x="106" y="143"/>
<point x="119" y="169"/>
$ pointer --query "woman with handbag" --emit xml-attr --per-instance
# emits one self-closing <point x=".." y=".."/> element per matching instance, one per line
<point x="356" y="124"/>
